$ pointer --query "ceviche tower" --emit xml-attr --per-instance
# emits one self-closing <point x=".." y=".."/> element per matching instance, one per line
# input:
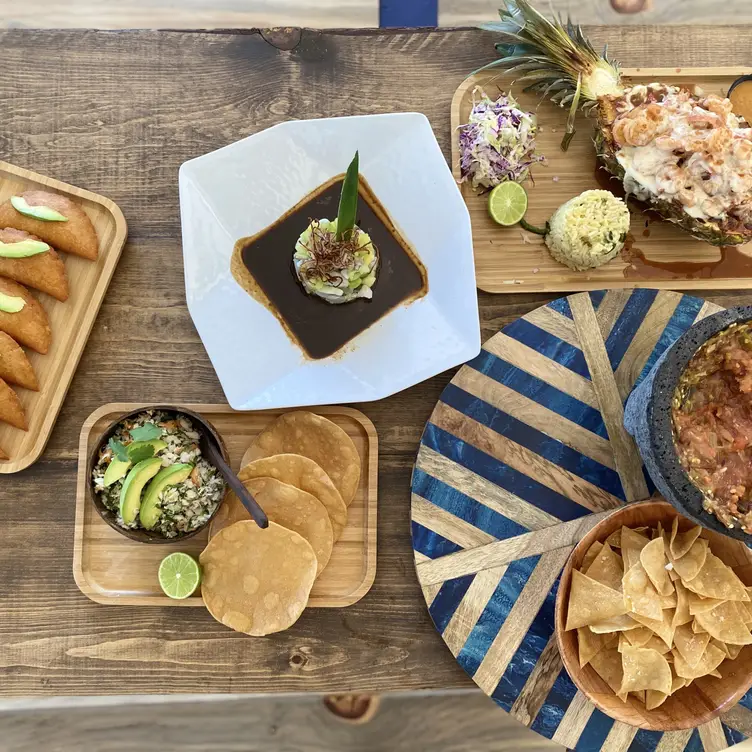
<point x="681" y="152"/>
<point x="336" y="260"/>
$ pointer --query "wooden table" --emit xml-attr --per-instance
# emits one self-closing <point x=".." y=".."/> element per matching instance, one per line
<point x="117" y="113"/>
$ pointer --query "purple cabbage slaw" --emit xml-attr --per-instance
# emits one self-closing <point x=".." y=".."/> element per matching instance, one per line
<point x="498" y="143"/>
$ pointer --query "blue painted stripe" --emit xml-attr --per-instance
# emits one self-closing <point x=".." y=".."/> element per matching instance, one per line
<point x="732" y="735"/>
<point x="502" y="475"/>
<point x="536" y="441"/>
<point x="596" y="297"/>
<point x="537" y="390"/>
<point x="561" y="305"/>
<point x="645" y="741"/>
<point x="518" y="671"/>
<point x="595" y="732"/>
<point x="746" y="701"/>
<point x="456" y="503"/>
<point x="682" y="318"/>
<point x="549" y="345"/>
<point x="398" y="13"/>
<point x="694" y="744"/>
<point x="495" y="613"/>
<point x="431" y="544"/>
<point x="626" y="326"/>
<point x="447" y="599"/>
<point x="552" y="711"/>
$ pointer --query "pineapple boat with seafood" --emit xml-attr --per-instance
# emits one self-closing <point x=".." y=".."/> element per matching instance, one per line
<point x="682" y="153"/>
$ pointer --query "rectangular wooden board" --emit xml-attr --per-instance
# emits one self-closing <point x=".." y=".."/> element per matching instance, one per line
<point x="112" y="569"/>
<point x="508" y="259"/>
<point x="71" y="321"/>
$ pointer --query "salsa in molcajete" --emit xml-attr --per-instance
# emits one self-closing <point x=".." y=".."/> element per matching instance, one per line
<point x="712" y="419"/>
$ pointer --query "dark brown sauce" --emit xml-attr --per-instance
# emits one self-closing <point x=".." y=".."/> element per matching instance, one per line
<point x="263" y="265"/>
<point x="733" y="264"/>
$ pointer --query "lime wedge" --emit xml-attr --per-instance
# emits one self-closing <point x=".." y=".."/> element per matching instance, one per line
<point x="507" y="203"/>
<point x="179" y="575"/>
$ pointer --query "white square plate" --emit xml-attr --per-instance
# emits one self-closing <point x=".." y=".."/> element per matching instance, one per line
<point x="241" y="189"/>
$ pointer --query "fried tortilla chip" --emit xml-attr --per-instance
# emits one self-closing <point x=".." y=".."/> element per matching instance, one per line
<point x="696" y="628"/>
<point x="257" y="581"/>
<point x="590" y="602"/>
<point x="699" y="605"/>
<point x="682" y="542"/>
<point x="305" y="474"/>
<point x="76" y="235"/>
<point x="653" y="559"/>
<point x="608" y="665"/>
<point x="639" y="594"/>
<point x="590" y="555"/>
<point x="654" y="699"/>
<point x="663" y="627"/>
<point x="590" y="644"/>
<point x="710" y="660"/>
<point x="656" y="643"/>
<point x="715" y="580"/>
<point x="639" y="637"/>
<point x="644" y="669"/>
<point x="690" y="645"/>
<point x="3" y="455"/>
<point x="30" y="326"/>
<point x="286" y="505"/>
<point x="614" y="540"/>
<point x="14" y="365"/>
<point x="621" y="623"/>
<point x="631" y="545"/>
<point x="607" y="568"/>
<point x="303" y="432"/>
<point x="11" y="409"/>
<point x="733" y="651"/>
<point x="682" y="614"/>
<point x="689" y="566"/>
<point x="725" y="623"/>
<point x="43" y="271"/>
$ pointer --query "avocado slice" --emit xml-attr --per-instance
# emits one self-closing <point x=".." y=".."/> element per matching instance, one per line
<point x="10" y="303"/>
<point x="115" y="471"/>
<point x="23" y="248"/>
<point x="169" y="476"/>
<point x="46" y="213"/>
<point x="130" y="493"/>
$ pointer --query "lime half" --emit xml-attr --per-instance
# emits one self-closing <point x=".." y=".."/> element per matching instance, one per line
<point x="507" y="203"/>
<point x="179" y="575"/>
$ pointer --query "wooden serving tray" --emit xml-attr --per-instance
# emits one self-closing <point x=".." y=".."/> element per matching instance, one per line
<point x="71" y="321"/>
<point x="112" y="569"/>
<point x="505" y="262"/>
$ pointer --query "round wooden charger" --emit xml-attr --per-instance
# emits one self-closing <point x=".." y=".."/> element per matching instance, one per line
<point x="523" y="454"/>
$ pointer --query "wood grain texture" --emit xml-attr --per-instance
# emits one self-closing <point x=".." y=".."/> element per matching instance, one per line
<point x="114" y="570"/>
<point x="70" y="321"/>
<point x="508" y="259"/>
<point x="137" y="104"/>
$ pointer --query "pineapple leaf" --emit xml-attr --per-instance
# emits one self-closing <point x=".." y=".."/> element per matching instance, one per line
<point x="570" y="130"/>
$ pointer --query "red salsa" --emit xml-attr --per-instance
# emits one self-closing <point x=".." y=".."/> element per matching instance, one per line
<point x="712" y="419"/>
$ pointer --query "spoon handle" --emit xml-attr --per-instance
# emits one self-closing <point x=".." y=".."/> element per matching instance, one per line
<point x="258" y="514"/>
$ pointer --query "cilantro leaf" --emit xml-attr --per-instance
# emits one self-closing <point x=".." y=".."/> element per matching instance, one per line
<point x="119" y="450"/>
<point x="140" y="453"/>
<point x="147" y="432"/>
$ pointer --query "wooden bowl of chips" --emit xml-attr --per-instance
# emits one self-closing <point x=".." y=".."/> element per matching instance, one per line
<point x="678" y="665"/>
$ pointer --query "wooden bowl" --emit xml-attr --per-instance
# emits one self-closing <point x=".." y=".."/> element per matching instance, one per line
<point x="690" y="706"/>
<point x="146" y="536"/>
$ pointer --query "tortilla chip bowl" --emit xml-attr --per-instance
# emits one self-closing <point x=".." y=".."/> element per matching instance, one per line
<point x="690" y="706"/>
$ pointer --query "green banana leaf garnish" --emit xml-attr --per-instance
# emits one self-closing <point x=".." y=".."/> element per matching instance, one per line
<point x="348" y="202"/>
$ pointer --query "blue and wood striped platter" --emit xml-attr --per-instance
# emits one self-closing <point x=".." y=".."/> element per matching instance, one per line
<point x="523" y="454"/>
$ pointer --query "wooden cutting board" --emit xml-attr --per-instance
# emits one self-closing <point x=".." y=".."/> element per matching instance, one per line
<point x="112" y="569"/>
<point x="509" y="259"/>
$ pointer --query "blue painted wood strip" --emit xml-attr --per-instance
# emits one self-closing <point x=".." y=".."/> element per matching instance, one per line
<point x="495" y="613"/>
<point x="502" y="475"/>
<point x="596" y="297"/>
<point x="645" y="741"/>
<point x="539" y="391"/>
<point x="746" y="701"/>
<point x="464" y="507"/>
<point x="628" y="323"/>
<point x="557" y="701"/>
<point x="561" y="305"/>
<point x="695" y="743"/>
<point x="447" y="599"/>
<point x="683" y="317"/>
<point x="431" y="544"/>
<point x="536" y="441"/>
<point x="398" y="13"/>
<point x="732" y="735"/>
<point x="549" y="345"/>
<point x="518" y="671"/>
<point x="595" y="732"/>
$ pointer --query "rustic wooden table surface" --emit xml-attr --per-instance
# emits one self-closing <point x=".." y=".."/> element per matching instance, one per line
<point x="117" y="112"/>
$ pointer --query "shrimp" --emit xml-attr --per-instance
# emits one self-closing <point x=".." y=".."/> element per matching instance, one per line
<point x="718" y="105"/>
<point x="670" y="178"/>
<point x="703" y="119"/>
<point x="742" y="149"/>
